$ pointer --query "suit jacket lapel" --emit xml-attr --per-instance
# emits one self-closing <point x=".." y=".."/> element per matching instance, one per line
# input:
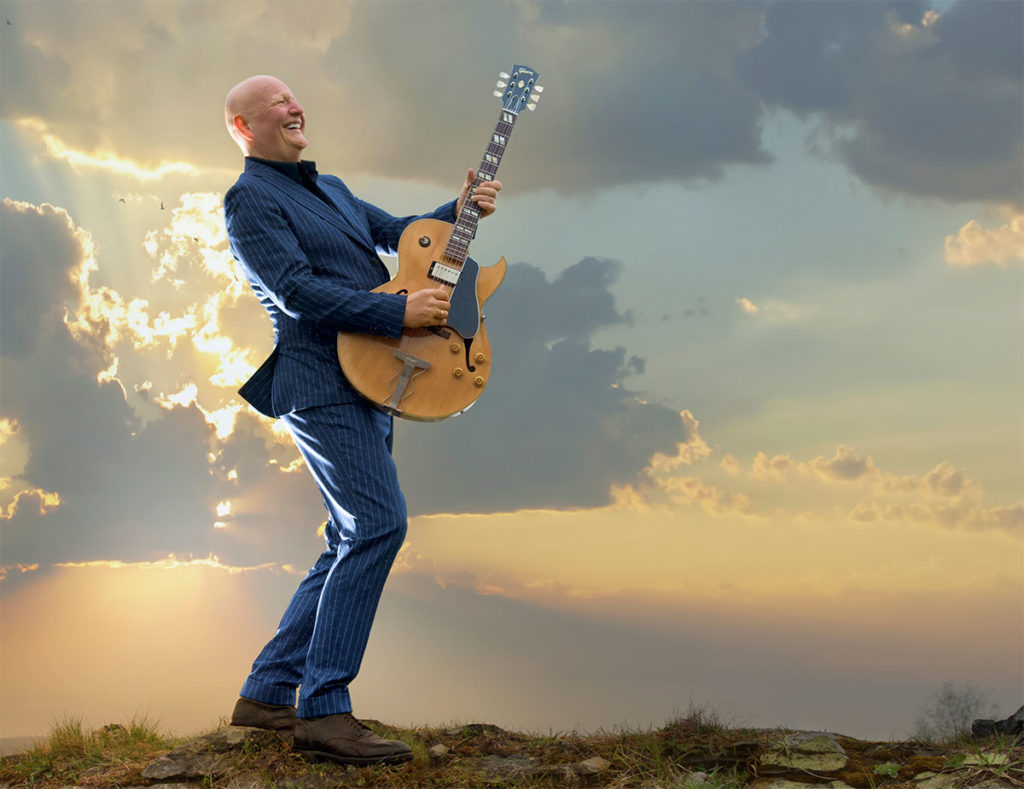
<point x="343" y="218"/>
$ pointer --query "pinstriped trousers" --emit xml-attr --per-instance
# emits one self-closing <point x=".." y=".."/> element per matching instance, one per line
<point x="320" y="642"/>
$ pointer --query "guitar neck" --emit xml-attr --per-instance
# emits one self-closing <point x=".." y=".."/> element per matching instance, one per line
<point x="465" y="225"/>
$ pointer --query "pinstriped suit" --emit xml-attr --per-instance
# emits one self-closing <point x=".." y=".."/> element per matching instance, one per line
<point x="308" y="248"/>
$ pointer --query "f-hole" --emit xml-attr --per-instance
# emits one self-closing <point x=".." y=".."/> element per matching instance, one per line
<point x="469" y="365"/>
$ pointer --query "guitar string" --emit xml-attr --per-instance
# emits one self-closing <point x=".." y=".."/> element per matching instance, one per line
<point x="502" y="128"/>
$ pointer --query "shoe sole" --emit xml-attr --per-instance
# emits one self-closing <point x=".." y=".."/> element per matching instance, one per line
<point x="362" y="761"/>
<point x="288" y="727"/>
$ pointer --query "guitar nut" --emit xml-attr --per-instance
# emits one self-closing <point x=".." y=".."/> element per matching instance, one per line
<point x="479" y="381"/>
<point x="457" y="372"/>
<point x="455" y="347"/>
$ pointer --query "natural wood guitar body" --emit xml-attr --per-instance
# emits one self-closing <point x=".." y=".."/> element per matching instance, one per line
<point x="430" y="373"/>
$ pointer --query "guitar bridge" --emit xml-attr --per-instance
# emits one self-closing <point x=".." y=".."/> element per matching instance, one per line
<point x="411" y="367"/>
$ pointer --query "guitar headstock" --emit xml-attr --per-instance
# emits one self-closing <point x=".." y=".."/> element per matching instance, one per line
<point x="519" y="90"/>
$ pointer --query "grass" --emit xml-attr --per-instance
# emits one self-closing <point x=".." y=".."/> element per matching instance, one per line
<point x="70" y="752"/>
<point x="691" y="750"/>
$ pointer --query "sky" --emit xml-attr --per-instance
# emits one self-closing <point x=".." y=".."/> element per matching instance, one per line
<point x="754" y="437"/>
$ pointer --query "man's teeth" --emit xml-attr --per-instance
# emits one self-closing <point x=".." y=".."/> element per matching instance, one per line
<point x="294" y="126"/>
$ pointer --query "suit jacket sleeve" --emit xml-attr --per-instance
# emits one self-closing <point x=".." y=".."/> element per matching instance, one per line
<point x="266" y="246"/>
<point x="386" y="229"/>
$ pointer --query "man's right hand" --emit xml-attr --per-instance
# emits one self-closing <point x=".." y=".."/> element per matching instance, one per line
<point x="426" y="308"/>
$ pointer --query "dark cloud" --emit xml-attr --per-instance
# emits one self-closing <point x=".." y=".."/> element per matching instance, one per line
<point x="35" y="267"/>
<point x="128" y="490"/>
<point x="635" y="93"/>
<point x="557" y="425"/>
<point x="928" y="109"/>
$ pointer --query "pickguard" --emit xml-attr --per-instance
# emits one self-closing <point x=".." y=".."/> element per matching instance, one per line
<point x="464" y="315"/>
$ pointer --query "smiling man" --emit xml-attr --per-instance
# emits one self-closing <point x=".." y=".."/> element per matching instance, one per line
<point x="309" y="247"/>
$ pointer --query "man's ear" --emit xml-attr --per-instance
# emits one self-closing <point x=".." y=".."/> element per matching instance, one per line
<point x="242" y="127"/>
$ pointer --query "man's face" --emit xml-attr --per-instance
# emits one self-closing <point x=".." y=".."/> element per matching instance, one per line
<point x="277" y="123"/>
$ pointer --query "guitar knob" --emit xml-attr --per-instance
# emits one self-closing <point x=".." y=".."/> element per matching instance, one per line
<point x="454" y="347"/>
<point x="457" y="372"/>
<point x="479" y="381"/>
<point x="479" y="358"/>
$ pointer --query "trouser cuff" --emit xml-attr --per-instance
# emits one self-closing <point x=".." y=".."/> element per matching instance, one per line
<point x="265" y="693"/>
<point x="328" y="704"/>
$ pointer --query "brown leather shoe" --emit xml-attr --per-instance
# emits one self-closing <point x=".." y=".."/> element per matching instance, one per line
<point x="344" y="739"/>
<point x="263" y="716"/>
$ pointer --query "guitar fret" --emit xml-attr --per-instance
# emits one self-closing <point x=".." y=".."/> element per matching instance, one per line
<point x="457" y="247"/>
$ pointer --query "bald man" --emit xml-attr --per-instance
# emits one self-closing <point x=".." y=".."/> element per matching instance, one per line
<point x="309" y="248"/>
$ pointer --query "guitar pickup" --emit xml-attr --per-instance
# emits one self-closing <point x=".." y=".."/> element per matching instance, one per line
<point x="443" y="273"/>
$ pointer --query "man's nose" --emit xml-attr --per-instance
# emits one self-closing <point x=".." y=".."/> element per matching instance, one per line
<point x="295" y="108"/>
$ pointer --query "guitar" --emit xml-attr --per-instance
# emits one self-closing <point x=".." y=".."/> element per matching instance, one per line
<point x="432" y="373"/>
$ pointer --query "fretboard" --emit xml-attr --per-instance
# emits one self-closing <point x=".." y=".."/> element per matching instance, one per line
<point x="465" y="226"/>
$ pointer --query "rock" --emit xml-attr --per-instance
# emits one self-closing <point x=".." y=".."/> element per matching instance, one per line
<point x="593" y="766"/>
<point x="181" y="786"/>
<point x="247" y="781"/>
<point x="506" y="766"/>
<point x="985" y="759"/>
<point x="696" y="779"/>
<point x="1012" y="726"/>
<point x="185" y="766"/>
<point x="439" y="750"/>
<point x="938" y="781"/>
<point x="474" y="729"/>
<point x="235" y="738"/>
<point x="202" y="757"/>
<point x="817" y="752"/>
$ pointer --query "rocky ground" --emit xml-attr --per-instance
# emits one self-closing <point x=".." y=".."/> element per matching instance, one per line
<point x="684" y="753"/>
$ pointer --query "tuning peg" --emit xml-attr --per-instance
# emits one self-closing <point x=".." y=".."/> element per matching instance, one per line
<point x="531" y="107"/>
<point x="538" y="88"/>
<point x="502" y="84"/>
<point x="503" y="74"/>
<point x="498" y="93"/>
<point x="534" y="97"/>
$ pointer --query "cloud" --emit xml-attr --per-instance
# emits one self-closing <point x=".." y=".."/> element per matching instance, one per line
<point x="41" y="501"/>
<point x="142" y="468"/>
<point x="593" y="128"/>
<point x="845" y="465"/>
<point x="558" y="425"/>
<point x="747" y="306"/>
<point x="730" y="464"/>
<point x="975" y="245"/>
<point x="914" y="104"/>
<point x="170" y="562"/>
<point x="911" y="101"/>
<point x="944" y="496"/>
<point x="775" y="310"/>
<point x="79" y="161"/>
<point x="39" y="263"/>
<point x="96" y="482"/>
<point x="921" y="105"/>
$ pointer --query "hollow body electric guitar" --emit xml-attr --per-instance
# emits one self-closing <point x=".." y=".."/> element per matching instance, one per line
<point x="435" y="372"/>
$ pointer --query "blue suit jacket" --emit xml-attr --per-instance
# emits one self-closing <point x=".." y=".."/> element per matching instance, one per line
<point x="312" y="267"/>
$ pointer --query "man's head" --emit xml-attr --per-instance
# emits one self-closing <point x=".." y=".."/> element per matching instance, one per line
<point x="265" y="119"/>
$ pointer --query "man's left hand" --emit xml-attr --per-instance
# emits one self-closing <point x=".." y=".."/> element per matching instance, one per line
<point x="485" y="195"/>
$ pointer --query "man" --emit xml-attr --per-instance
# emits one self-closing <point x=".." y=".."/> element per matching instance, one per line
<point x="308" y="248"/>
